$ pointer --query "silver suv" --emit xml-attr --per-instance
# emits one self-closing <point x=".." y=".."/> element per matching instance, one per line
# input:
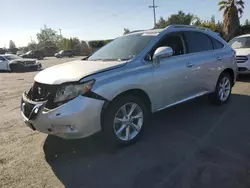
<point x="120" y="85"/>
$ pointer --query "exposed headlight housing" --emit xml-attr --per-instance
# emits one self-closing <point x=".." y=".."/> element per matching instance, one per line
<point x="72" y="91"/>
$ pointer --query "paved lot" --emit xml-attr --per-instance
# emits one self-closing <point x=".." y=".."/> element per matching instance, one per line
<point x="194" y="145"/>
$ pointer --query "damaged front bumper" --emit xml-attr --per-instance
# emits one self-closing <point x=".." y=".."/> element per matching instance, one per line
<point x="77" y="118"/>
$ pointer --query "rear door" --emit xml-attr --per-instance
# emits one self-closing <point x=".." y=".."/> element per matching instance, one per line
<point x="204" y="60"/>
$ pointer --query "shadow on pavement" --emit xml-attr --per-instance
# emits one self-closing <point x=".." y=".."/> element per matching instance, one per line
<point x="171" y="137"/>
<point x="243" y="78"/>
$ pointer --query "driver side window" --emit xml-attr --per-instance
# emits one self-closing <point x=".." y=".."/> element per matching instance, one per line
<point x="175" y="41"/>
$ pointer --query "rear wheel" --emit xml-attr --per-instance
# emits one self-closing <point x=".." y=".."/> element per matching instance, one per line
<point x="124" y="120"/>
<point x="223" y="89"/>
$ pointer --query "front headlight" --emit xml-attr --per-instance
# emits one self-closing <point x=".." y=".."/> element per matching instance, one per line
<point x="69" y="92"/>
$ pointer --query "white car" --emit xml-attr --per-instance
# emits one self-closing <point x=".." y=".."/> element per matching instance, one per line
<point x="241" y="45"/>
<point x="10" y="62"/>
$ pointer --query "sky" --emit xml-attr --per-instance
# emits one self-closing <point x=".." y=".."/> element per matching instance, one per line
<point x="92" y="19"/>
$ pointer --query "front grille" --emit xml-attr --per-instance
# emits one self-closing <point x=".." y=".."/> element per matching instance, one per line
<point x="241" y="59"/>
<point x="27" y="108"/>
<point x="30" y="62"/>
<point x="42" y="92"/>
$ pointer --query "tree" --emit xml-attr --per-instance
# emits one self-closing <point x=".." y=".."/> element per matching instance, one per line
<point x="48" y="37"/>
<point x="126" y="31"/>
<point x="247" y="22"/>
<point x="179" y="18"/>
<point x="32" y="46"/>
<point x="161" y="23"/>
<point x="213" y="19"/>
<point x="12" y="45"/>
<point x="232" y="12"/>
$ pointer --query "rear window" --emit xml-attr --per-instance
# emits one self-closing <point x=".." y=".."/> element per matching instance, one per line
<point x="217" y="44"/>
<point x="198" y="42"/>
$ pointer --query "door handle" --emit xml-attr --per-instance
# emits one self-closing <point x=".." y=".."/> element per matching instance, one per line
<point x="190" y="65"/>
<point x="219" y="58"/>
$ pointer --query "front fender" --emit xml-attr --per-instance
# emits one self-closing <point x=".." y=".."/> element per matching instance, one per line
<point x="115" y="83"/>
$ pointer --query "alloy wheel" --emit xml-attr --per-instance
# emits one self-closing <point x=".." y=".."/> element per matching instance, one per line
<point x="224" y="88"/>
<point x="128" y="121"/>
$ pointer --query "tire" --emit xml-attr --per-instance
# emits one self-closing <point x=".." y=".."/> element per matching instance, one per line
<point x="114" y="110"/>
<point x="217" y="97"/>
<point x="17" y="68"/>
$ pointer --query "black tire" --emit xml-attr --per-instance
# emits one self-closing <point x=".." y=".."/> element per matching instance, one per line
<point x="109" y="116"/>
<point x="17" y="68"/>
<point x="215" y="97"/>
<point x="40" y="58"/>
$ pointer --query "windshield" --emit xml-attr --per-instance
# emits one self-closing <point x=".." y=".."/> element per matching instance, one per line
<point x="241" y="42"/>
<point x="29" y="52"/>
<point x="123" y="48"/>
<point x="12" y="57"/>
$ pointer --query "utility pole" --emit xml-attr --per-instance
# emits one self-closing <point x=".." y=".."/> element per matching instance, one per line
<point x="153" y="7"/>
<point x="60" y="31"/>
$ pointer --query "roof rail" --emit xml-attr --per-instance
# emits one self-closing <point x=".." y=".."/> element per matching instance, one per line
<point x="188" y="26"/>
<point x="135" y="31"/>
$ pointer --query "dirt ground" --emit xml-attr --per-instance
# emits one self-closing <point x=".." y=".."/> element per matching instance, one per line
<point x="194" y="145"/>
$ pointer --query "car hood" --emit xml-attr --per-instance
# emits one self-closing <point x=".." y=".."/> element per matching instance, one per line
<point x="22" y="60"/>
<point x="242" y="51"/>
<point x="74" y="71"/>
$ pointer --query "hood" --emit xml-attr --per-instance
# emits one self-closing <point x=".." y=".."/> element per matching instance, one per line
<point x="22" y="60"/>
<point x="242" y="51"/>
<point x="26" y="59"/>
<point x="74" y="71"/>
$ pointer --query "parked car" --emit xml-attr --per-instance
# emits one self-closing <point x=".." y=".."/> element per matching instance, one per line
<point x="64" y="53"/>
<point x="121" y="84"/>
<point x="241" y="45"/>
<point x="10" y="62"/>
<point x="34" y="54"/>
<point x="19" y="53"/>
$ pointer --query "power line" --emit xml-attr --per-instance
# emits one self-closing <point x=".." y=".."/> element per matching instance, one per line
<point x="153" y="7"/>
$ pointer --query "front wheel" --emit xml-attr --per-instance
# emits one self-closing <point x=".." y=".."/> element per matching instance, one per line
<point x="124" y="120"/>
<point x="223" y="89"/>
<point x="17" y="68"/>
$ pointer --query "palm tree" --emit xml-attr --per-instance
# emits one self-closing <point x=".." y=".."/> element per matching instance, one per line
<point x="233" y="10"/>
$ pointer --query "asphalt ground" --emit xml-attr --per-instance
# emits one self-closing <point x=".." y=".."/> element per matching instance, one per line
<point x="193" y="145"/>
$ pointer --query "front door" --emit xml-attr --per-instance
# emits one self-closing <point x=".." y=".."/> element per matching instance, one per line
<point x="3" y="63"/>
<point x="173" y="76"/>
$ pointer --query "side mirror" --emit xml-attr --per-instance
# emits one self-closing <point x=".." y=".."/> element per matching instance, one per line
<point x="162" y="53"/>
